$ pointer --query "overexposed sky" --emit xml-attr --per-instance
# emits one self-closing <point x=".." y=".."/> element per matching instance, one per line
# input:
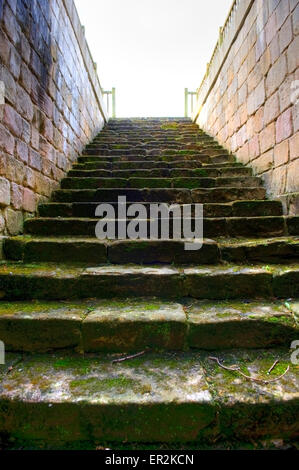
<point x="150" y="50"/>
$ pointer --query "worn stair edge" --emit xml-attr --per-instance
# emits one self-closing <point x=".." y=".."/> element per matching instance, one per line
<point x="149" y="182"/>
<point x="216" y="227"/>
<point x="52" y="282"/>
<point x="254" y="208"/>
<point x="142" y="324"/>
<point x="27" y="249"/>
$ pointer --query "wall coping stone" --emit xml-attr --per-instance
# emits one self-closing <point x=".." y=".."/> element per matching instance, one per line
<point x="228" y="35"/>
<point x="90" y="65"/>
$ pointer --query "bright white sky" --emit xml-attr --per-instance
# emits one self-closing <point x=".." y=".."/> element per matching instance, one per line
<point x="150" y="50"/>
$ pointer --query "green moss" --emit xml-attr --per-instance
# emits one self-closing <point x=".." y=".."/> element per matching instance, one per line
<point x="94" y="384"/>
<point x="120" y="146"/>
<point x="170" y="126"/>
<point x="200" y="172"/>
<point x="286" y="319"/>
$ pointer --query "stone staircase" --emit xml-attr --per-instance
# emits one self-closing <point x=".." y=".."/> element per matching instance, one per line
<point x="73" y="305"/>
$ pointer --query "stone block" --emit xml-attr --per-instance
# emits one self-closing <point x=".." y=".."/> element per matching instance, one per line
<point x="263" y="163"/>
<point x="271" y="109"/>
<point x="29" y="200"/>
<point x="285" y="35"/>
<point x="281" y="153"/>
<point x="295" y="116"/>
<point x="12" y="120"/>
<point x="16" y="196"/>
<point x="14" y="221"/>
<point x="25" y="77"/>
<point x="7" y="141"/>
<point x="22" y="151"/>
<point x="4" y="48"/>
<point x="292" y="55"/>
<point x="292" y="185"/>
<point x="284" y="126"/>
<point x="285" y="93"/>
<point x="276" y="75"/>
<point x="15" y="63"/>
<point x="24" y="104"/>
<point x="274" y="49"/>
<point x="294" y="147"/>
<point x="271" y="28"/>
<point x="278" y="180"/>
<point x="4" y="192"/>
<point x="254" y="147"/>
<point x="267" y="137"/>
<point x="295" y="21"/>
<point x="256" y="98"/>
<point x="35" y="160"/>
<point x="282" y="11"/>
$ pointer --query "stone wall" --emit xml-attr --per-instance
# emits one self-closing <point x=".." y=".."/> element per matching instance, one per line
<point x="53" y="102"/>
<point x="249" y="98"/>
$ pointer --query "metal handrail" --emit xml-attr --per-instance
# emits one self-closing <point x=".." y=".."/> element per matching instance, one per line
<point x="109" y="93"/>
<point x="187" y="94"/>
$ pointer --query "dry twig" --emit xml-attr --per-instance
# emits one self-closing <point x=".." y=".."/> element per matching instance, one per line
<point x="272" y="367"/>
<point x="126" y="358"/>
<point x="252" y="379"/>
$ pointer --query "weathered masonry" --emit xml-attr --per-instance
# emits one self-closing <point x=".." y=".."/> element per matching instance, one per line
<point x="213" y="332"/>
<point x="53" y="102"/>
<point x="248" y="99"/>
<point x="72" y="303"/>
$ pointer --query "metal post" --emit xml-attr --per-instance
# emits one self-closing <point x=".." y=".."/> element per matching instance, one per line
<point x="113" y="103"/>
<point x="186" y="102"/>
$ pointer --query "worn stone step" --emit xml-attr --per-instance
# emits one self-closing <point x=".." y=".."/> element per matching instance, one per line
<point x="271" y="250"/>
<point x="235" y="209"/>
<point x="96" y="150"/>
<point x="145" y="323"/>
<point x="58" y="282"/>
<point x="168" y="195"/>
<point x="200" y="158"/>
<point x="29" y="249"/>
<point x="151" y="164"/>
<point x="158" y="397"/>
<point x="161" y="172"/>
<point x="212" y="227"/>
<point x="146" y="182"/>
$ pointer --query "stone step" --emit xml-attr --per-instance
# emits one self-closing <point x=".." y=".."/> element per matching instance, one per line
<point x="162" y="172"/>
<point x="168" y="195"/>
<point x="189" y="183"/>
<point x="52" y="281"/>
<point x="150" y="164"/>
<point x="143" y="143"/>
<point x="200" y="158"/>
<point x="212" y="227"/>
<point x="273" y="250"/>
<point x="235" y="209"/>
<point x="145" y="323"/>
<point x="31" y="249"/>
<point x="158" y="397"/>
<point x="151" y="147"/>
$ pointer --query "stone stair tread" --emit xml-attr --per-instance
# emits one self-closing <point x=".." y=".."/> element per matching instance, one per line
<point x="153" y="398"/>
<point x="160" y="172"/>
<point x="141" y="323"/>
<point x="21" y="281"/>
<point x="268" y="226"/>
<point x="171" y="195"/>
<point x="88" y="182"/>
<point x="276" y="250"/>
<point x="245" y="208"/>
